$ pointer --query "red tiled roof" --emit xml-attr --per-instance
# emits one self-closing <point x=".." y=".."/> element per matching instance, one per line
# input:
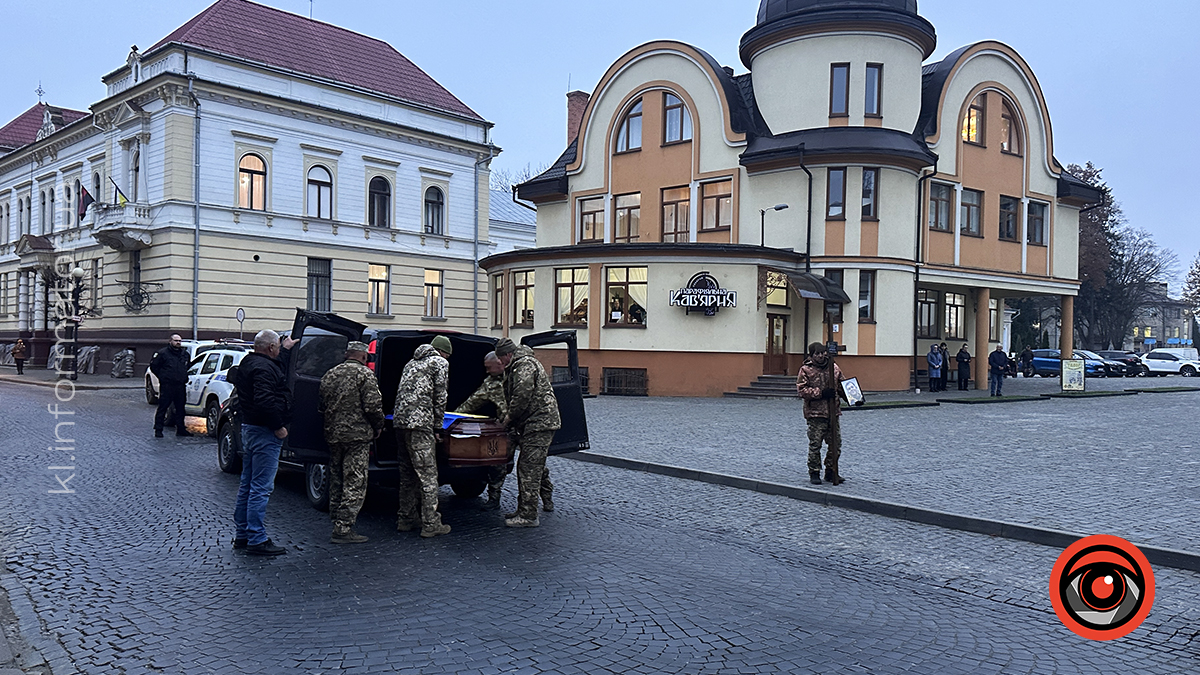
<point x="274" y="37"/>
<point x="23" y="129"/>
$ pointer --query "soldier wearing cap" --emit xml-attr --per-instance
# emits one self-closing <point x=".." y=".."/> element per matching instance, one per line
<point x="353" y="410"/>
<point x="489" y="399"/>
<point x="533" y="417"/>
<point x="420" y="409"/>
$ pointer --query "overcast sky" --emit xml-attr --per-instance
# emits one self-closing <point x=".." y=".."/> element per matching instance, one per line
<point x="1121" y="78"/>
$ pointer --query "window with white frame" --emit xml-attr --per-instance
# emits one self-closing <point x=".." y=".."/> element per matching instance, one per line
<point x="379" y="289"/>
<point x="497" y="301"/>
<point x="435" y="211"/>
<point x="523" y="299"/>
<point x="379" y="206"/>
<point x="956" y="316"/>
<point x="434" y="294"/>
<point x="320" y="192"/>
<point x="677" y="121"/>
<point x="629" y="133"/>
<point x="252" y="183"/>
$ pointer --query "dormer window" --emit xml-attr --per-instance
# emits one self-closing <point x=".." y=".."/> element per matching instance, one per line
<point x="1010" y="131"/>
<point x="677" y="121"/>
<point x="629" y="135"/>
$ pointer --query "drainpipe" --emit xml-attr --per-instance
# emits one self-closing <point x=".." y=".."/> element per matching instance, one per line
<point x="475" y="244"/>
<point x="807" y="242"/>
<point x="917" y="268"/>
<point x="195" y="208"/>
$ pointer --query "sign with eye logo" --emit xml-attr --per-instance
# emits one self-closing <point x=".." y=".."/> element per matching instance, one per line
<point x="1102" y="587"/>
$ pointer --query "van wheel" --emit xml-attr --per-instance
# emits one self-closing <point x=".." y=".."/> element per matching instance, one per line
<point x="212" y="413"/>
<point x="151" y="397"/>
<point x="227" y="450"/>
<point x="316" y="486"/>
<point x="468" y="488"/>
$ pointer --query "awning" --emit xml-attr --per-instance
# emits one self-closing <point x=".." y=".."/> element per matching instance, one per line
<point x="812" y="287"/>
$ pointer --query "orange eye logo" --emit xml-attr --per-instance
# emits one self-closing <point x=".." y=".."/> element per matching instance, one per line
<point x="1102" y="587"/>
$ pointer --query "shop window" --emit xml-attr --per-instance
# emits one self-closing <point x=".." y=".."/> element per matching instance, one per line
<point x="1010" y="131"/>
<point x="379" y="289"/>
<point x="969" y="216"/>
<point x="677" y="121"/>
<point x="873" y="102"/>
<point x="839" y="89"/>
<point x="629" y="134"/>
<point x="626" y="218"/>
<point x="972" y="125"/>
<point x="571" y="296"/>
<point x="676" y="218"/>
<point x="523" y="299"/>
<point x="1009" y="212"/>
<point x="252" y="183"/>
<point x="941" y="205"/>
<point x="927" y="314"/>
<point x="836" y="194"/>
<point x="777" y="289"/>
<point x="866" y="296"/>
<point x="1035" y="230"/>
<point x="870" y="194"/>
<point x="591" y="220"/>
<point x="956" y="316"/>
<point x="626" y="293"/>
<point x="435" y="294"/>
<point x="435" y="211"/>
<point x="379" y="202"/>
<point x="320" y="192"/>
<point x="717" y="205"/>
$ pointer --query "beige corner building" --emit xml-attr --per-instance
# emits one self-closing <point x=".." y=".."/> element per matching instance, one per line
<point x="703" y="226"/>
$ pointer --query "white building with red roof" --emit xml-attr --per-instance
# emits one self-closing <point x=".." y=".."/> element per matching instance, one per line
<point x="333" y="174"/>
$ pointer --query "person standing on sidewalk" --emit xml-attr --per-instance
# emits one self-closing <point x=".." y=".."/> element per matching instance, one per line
<point x="19" y="353"/>
<point x="417" y="418"/>
<point x="945" y="366"/>
<point x="997" y="366"/>
<point x="533" y="417"/>
<point x="964" y="367"/>
<point x="353" y="410"/>
<point x="936" y="362"/>
<point x="489" y="398"/>
<point x="819" y="384"/>
<point x="170" y="366"/>
<point x="266" y="404"/>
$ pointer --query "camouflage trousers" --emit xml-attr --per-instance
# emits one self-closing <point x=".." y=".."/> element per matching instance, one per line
<point x="532" y="475"/>
<point x="418" y="479"/>
<point x="497" y="475"/>
<point x="347" y="483"/>
<point x="823" y="429"/>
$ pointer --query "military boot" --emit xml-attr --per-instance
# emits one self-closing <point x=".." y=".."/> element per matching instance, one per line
<point x="435" y="530"/>
<point x="347" y="537"/>
<point x="493" y="501"/>
<point x="547" y="501"/>
<point x="814" y="477"/>
<point x="518" y="521"/>
<point x="407" y="525"/>
<point x="831" y="476"/>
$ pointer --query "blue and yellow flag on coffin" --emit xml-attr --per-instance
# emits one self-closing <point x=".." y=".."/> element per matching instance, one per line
<point x="121" y="198"/>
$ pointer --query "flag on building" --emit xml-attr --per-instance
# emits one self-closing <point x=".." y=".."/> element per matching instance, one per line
<point x="121" y="198"/>
<point x="85" y="200"/>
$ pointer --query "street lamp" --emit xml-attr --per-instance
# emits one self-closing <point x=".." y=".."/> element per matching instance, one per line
<point x="762" y="222"/>
<point x="76" y="289"/>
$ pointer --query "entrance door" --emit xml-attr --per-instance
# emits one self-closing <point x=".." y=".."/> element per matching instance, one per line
<point x="775" y="362"/>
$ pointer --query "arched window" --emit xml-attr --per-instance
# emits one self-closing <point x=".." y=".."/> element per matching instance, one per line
<point x="1010" y="130"/>
<point x="435" y="211"/>
<point x="972" y="124"/>
<point x="252" y="183"/>
<point x="320" y="192"/>
<point x="379" y="207"/>
<point x="677" y="121"/>
<point x="629" y="134"/>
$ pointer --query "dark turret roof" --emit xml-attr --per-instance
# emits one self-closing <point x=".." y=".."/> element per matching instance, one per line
<point x="781" y="19"/>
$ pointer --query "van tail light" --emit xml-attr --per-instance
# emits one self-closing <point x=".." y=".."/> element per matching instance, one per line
<point x="371" y="353"/>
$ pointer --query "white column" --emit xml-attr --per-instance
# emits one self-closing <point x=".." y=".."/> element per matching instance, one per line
<point x="693" y="210"/>
<point x="23" y="301"/>
<point x="39" y="302"/>
<point x="610" y="218"/>
<point x="1024" y="233"/>
<point x="957" y="217"/>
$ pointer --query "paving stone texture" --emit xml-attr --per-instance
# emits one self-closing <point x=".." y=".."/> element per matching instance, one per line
<point x="633" y="573"/>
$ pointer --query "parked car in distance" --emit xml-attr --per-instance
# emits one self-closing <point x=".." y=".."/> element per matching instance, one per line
<point x="1112" y="367"/>
<point x="208" y="387"/>
<point x="194" y="348"/>
<point x="1133" y="362"/>
<point x="1048" y="363"/>
<point x="1162" y="362"/>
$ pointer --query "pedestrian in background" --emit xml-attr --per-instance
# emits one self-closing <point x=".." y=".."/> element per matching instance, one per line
<point x="353" y="410"/>
<point x="819" y="384"/>
<point x="997" y="366"/>
<point x="266" y="404"/>
<point x="417" y="418"/>
<point x="945" y="366"/>
<point x="964" y="367"/>
<point x="170" y="366"/>
<point x="1026" y="360"/>
<point x="935" y="361"/>
<point x="533" y="417"/>
<point x="488" y="399"/>
<point x="19" y="353"/>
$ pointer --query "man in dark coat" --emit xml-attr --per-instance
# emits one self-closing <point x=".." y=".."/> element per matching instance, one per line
<point x="266" y="405"/>
<point x="819" y="383"/>
<point x="964" y="367"/>
<point x="170" y="366"/>
<point x="997" y="367"/>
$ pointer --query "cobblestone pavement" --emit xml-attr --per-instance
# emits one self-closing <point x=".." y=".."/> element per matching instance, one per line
<point x="1123" y="465"/>
<point x="633" y="573"/>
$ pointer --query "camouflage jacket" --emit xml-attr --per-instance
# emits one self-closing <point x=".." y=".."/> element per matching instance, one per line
<point x="491" y="391"/>
<point x="812" y="381"/>
<point x="531" y="402"/>
<point x="421" y="397"/>
<point x="351" y="403"/>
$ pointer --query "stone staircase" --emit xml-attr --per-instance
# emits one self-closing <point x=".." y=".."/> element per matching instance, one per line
<point x="767" y="386"/>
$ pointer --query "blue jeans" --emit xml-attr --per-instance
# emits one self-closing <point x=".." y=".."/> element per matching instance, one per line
<point x="260" y="461"/>
<point x="995" y="383"/>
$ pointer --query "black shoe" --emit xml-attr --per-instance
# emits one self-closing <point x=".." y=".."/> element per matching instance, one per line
<point x="183" y="432"/>
<point x="268" y="547"/>
<point x="240" y="544"/>
<point x="814" y="477"/>
<point x="491" y="505"/>
<point x="158" y="433"/>
<point x="832" y="478"/>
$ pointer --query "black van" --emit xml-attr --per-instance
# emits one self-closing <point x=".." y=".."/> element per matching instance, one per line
<point x="321" y="345"/>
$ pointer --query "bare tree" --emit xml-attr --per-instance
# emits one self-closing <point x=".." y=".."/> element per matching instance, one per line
<point x="505" y="179"/>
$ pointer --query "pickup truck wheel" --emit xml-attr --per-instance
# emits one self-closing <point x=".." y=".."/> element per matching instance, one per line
<point x="212" y="413"/>
<point x="316" y="486"/>
<point x="1187" y="371"/>
<point x="227" y="450"/>
<point x="468" y="488"/>
<point x="151" y="397"/>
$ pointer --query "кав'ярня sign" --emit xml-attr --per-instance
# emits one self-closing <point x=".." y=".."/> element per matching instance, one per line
<point x="704" y="293"/>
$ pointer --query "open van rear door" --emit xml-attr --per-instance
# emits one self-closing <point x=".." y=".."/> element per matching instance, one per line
<point x="573" y="436"/>
<point x="322" y="340"/>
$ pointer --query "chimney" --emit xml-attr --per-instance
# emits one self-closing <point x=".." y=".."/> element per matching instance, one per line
<point x="576" y="103"/>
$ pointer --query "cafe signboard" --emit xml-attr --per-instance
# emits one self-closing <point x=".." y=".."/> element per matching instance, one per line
<point x="703" y="294"/>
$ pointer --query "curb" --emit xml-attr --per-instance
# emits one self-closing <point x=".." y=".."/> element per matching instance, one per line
<point x="979" y="400"/>
<point x="78" y="387"/>
<point x="46" y="649"/>
<point x="1090" y="394"/>
<point x="890" y="406"/>
<point x="997" y="528"/>
<point x="1163" y="390"/>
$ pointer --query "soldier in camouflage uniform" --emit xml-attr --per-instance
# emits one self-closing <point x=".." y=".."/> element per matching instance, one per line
<point x="420" y="410"/>
<point x="819" y="384"/>
<point x="533" y="416"/>
<point x="353" y="410"/>
<point x="489" y="398"/>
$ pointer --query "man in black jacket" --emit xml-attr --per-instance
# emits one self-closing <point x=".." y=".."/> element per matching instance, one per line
<point x="170" y="366"/>
<point x="266" y="405"/>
